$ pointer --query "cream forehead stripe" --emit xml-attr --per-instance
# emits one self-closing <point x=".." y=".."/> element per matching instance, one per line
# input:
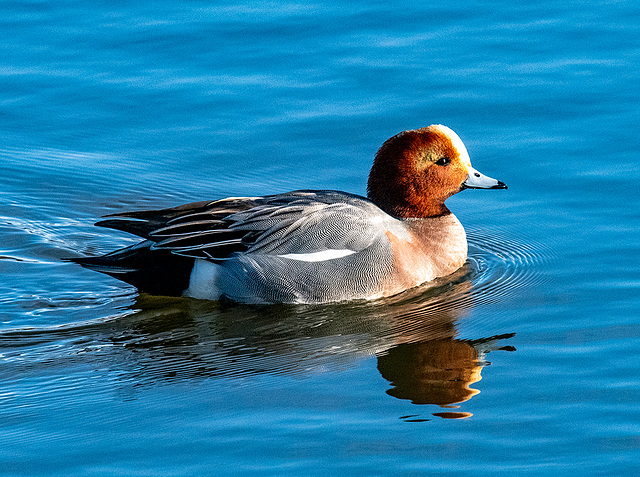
<point x="456" y="141"/>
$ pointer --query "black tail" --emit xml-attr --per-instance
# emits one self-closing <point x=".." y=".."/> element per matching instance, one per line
<point x="157" y="272"/>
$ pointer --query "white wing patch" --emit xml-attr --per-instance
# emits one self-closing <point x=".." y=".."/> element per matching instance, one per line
<point x="322" y="256"/>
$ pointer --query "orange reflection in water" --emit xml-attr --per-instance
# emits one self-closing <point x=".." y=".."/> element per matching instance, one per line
<point x="432" y="372"/>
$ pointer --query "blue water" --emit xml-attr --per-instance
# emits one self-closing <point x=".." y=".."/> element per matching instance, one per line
<point x="115" y="106"/>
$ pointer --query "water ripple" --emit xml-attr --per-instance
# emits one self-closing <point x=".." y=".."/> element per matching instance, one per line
<point x="502" y="264"/>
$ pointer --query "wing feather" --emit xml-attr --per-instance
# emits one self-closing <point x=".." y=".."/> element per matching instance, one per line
<point x="292" y="223"/>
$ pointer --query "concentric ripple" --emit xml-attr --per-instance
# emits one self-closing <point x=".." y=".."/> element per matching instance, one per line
<point x="501" y="264"/>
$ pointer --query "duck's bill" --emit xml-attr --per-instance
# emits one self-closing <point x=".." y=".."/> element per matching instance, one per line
<point x="477" y="180"/>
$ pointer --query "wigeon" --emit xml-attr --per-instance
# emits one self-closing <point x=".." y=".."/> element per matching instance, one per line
<point x="310" y="246"/>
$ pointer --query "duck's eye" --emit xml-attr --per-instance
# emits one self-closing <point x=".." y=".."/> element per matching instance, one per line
<point x="443" y="161"/>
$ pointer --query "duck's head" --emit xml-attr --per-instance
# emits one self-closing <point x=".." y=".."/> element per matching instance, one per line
<point x="415" y="171"/>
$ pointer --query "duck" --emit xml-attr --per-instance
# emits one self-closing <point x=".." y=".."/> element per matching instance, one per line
<point x="310" y="246"/>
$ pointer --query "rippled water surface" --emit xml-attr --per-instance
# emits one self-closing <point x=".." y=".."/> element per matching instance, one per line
<point x="524" y="362"/>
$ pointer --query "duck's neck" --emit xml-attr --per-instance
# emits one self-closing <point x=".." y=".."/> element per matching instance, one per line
<point x="423" y="212"/>
<point x="404" y="207"/>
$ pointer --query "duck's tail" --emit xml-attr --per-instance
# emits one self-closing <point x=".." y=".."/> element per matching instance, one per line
<point x="157" y="272"/>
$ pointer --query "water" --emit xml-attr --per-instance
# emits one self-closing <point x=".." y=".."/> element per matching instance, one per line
<point x="110" y="107"/>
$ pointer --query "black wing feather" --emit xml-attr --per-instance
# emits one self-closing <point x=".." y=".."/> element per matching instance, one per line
<point x="143" y="223"/>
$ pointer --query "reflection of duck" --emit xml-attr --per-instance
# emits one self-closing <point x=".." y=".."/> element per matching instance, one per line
<point x="412" y="335"/>
<point x="439" y="371"/>
<point x="310" y="246"/>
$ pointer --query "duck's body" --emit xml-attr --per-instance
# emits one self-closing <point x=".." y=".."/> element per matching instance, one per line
<point x="310" y="246"/>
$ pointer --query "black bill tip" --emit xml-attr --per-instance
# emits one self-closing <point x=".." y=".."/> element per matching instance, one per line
<point x="500" y="185"/>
